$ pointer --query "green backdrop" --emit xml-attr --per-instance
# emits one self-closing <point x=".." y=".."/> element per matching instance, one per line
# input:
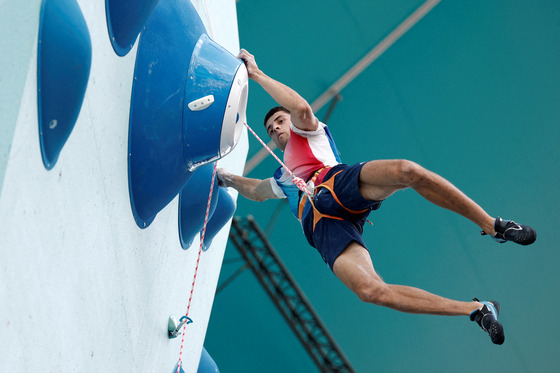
<point x="471" y="92"/>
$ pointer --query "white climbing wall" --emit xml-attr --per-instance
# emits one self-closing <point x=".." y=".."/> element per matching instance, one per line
<point x="82" y="288"/>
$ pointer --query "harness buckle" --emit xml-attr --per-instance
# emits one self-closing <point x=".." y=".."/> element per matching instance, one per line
<point x="311" y="189"/>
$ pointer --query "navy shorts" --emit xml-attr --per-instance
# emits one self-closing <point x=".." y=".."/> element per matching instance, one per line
<point x="332" y="236"/>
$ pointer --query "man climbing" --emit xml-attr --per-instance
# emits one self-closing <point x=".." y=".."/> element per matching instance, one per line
<point x="342" y="196"/>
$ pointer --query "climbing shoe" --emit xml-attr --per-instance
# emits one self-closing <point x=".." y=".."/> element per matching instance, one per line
<point x="507" y="230"/>
<point x="487" y="318"/>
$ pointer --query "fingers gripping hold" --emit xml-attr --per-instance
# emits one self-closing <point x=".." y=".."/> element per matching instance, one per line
<point x="249" y="61"/>
<point x="224" y="178"/>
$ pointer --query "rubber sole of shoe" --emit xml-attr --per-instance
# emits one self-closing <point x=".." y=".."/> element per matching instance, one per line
<point x="524" y="237"/>
<point x="496" y="332"/>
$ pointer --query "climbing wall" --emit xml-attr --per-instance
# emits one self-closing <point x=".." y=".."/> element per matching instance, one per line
<point x="87" y="282"/>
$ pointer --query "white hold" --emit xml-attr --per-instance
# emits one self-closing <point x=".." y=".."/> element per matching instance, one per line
<point x="201" y="103"/>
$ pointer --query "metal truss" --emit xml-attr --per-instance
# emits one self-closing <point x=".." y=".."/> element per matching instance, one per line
<point x="267" y="266"/>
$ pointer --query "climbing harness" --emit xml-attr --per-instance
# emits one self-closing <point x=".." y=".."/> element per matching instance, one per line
<point x="329" y="185"/>
<point x="185" y="320"/>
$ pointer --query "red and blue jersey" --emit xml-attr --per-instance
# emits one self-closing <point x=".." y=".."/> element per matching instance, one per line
<point x="305" y="153"/>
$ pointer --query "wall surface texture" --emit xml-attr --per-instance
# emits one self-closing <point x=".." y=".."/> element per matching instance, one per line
<point x="82" y="287"/>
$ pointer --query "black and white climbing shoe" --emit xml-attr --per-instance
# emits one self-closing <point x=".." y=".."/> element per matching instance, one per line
<point x="487" y="318"/>
<point x="508" y="230"/>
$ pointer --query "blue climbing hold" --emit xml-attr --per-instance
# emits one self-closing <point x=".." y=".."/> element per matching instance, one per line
<point x="216" y="97"/>
<point x="63" y="66"/>
<point x="125" y="20"/>
<point x="207" y="364"/>
<point x="222" y="214"/>
<point x="193" y="202"/>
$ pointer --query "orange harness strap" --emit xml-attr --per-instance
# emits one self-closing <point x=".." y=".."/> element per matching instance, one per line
<point x="316" y="214"/>
<point x="329" y="185"/>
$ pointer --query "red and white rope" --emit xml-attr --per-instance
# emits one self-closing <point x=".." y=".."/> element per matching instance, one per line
<point x="197" y="262"/>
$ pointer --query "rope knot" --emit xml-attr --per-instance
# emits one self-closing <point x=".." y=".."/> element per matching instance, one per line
<point x="301" y="184"/>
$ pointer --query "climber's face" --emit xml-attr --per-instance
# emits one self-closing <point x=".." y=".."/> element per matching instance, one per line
<point x="278" y="128"/>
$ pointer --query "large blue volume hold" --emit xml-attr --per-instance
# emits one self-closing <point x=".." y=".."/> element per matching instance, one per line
<point x="125" y="20"/>
<point x="188" y="105"/>
<point x="63" y="66"/>
<point x="157" y="169"/>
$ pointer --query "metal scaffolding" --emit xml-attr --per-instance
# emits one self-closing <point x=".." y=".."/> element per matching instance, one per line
<point x="265" y="263"/>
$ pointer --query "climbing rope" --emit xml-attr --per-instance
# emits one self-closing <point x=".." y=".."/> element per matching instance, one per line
<point x="296" y="180"/>
<point x="197" y="263"/>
